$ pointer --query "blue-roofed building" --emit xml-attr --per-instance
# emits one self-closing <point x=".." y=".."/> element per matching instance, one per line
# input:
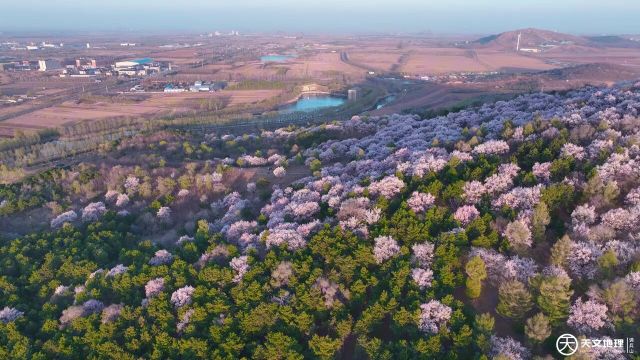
<point x="141" y="67"/>
<point x="134" y="63"/>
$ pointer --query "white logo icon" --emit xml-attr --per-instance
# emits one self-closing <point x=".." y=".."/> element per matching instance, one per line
<point x="567" y="344"/>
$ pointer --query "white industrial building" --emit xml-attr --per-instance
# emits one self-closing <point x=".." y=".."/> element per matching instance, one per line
<point x="140" y="67"/>
<point x="134" y="63"/>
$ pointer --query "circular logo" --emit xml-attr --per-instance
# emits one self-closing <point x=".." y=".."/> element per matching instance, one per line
<point x="567" y="344"/>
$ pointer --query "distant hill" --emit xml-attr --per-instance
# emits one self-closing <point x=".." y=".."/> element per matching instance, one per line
<point x="545" y="40"/>
<point x="613" y="41"/>
<point x="530" y="38"/>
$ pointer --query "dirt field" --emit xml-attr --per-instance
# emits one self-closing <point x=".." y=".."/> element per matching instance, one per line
<point x="376" y="57"/>
<point x="446" y="60"/>
<point x="440" y="61"/>
<point x="626" y="57"/>
<point x="501" y="61"/>
<point x="323" y="65"/>
<point x="177" y="56"/>
<point x="434" y="60"/>
<point x="156" y="104"/>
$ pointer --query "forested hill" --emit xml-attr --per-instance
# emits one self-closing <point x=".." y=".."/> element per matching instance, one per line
<point x="483" y="234"/>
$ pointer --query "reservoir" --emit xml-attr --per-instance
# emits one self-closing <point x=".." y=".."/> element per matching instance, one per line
<point x="312" y="103"/>
<point x="275" y="58"/>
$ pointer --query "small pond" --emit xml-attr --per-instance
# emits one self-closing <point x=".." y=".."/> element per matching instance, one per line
<point x="312" y="103"/>
<point x="275" y="58"/>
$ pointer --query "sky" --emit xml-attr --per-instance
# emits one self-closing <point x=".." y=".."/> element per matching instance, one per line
<point x="589" y="17"/>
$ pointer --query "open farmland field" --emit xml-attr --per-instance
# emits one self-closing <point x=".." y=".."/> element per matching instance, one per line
<point x="381" y="58"/>
<point x="617" y="56"/>
<point x="246" y="70"/>
<point x="447" y="60"/>
<point x="177" y="56"/>
<point x="504" y="61"/>
<point x="442" y="61"/>
<point x="323" y="65"/>
<point x="155" y="105"/>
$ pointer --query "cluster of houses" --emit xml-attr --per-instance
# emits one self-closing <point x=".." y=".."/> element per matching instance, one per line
<point x="89" y="67"/>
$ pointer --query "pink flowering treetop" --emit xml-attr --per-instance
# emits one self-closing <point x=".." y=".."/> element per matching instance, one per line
<point x="65" y="217"/>
<point x="162" y="257"/>
<point x="509" y="348"/>
<point x="433" y="316"/>
<point x="238" y="228"/>
<point x="92" y="306"/>
<point x="423" y="254"/>
<point x="473" y="192"/>
<point x="183" y="193"/>
<point x="585" y="214"/>
<point x="583" y="259"/>
<point x="420" y="202"/>
<point x="542" y="171"/>
<point x="588" y="317"/>
<point x="131" y="184"/>
<point x="303" y="210"/>
<point x="279" y="172"/>
<point x="633" y="280"/>
<point x="93" y="211"/>
<point x="462" y="156"/>
<point x="8" y="314"/>
<point x="633" y="197"/>
<point x="182" y="296"/>
<point x="111" y="196"/>
<point x="122" y="200"/>
<point x="290" y="237"/>
<point x="117" y="270"/>
<point x="573" y="151"/>
<point x="422" y="277"/>
<point x="491" y="147"/>
<point x="111" y="313"/>
<point x="154" y="287"/>
<point x="502" y="180"/>
<point x="241" y="266"/>
<point x="385" y="248"/>
<point x="387" y="187"/>
<point x="621" y="219"/>
<point x="466" y="214"/>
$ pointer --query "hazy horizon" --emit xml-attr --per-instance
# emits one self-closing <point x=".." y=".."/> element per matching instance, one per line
<point x="332" y="16"/>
